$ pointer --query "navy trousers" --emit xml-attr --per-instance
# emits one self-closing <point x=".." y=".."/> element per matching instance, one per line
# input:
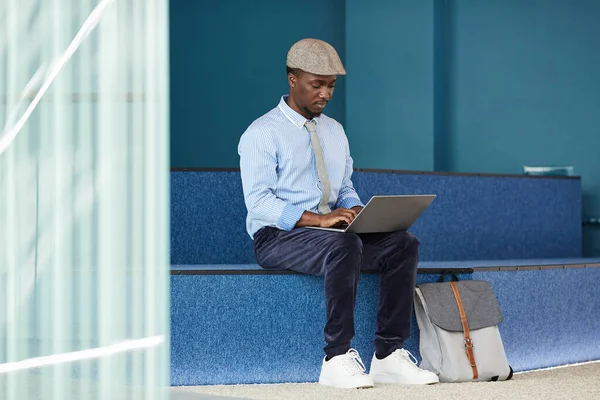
<point x="340" y="257"/>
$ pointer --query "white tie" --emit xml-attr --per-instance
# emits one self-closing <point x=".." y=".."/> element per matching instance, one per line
<point x="321" y="170"/>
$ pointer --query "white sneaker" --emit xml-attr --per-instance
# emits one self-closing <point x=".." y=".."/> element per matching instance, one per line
<point x="345" y="371"/>
<point x="398" y="367"/>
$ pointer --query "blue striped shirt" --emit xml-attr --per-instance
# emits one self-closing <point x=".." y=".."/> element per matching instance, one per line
<point x="279" y="173"/>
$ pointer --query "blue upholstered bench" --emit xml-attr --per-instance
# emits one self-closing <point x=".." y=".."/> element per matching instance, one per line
<point x="474" y="217"/>
<point x="233" y="322"/>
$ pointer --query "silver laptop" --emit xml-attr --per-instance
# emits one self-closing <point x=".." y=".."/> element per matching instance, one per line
<point x="387" y="214"/>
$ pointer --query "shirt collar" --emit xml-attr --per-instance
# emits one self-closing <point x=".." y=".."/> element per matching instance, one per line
<point x="292" y="115"/>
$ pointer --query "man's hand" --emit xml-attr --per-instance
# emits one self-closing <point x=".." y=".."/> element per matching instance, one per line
<point x="337" y="217"/>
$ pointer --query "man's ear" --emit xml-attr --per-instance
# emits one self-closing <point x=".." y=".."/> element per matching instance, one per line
<point x="292" y="79"/>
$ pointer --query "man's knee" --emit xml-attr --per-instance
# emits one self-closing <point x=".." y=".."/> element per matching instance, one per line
<point x="404" y="253"/>
<point x="346" y="252"/>
<point x="348" y="242"/>
<point x="406" y="242"/>
<point x="411" y="240"/>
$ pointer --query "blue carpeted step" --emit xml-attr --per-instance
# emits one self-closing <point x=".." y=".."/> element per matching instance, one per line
<point x="244" y="327"/>
<point x="473" y="217"/>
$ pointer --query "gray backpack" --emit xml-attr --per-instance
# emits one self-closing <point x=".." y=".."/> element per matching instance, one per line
<point x="459" y="335"/>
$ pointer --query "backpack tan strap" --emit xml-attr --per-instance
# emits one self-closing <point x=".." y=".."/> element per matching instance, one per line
<point x="467" y="332"/>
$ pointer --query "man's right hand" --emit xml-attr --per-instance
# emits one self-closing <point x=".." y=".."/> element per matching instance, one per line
<point x="336" y="217"/>
<point x="339" y="216"/>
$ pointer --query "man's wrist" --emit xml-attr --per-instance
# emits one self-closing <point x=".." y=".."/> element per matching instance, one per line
<point x="310" y="219"/>
<point x="320" y="220"/>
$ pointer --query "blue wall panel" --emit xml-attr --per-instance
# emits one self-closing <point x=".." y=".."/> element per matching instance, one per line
<point x="524" y="89"/>
<point x="389" y="102"/>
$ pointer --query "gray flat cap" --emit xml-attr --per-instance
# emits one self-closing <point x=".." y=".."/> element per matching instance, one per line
<point x="316" y="57"/>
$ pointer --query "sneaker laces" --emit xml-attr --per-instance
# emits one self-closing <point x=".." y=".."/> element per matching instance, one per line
<point x="407" y="357"/>
<point x="353" y="363"/>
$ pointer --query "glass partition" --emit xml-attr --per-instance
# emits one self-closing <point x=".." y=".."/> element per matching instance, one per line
<point x="83" y="199"/>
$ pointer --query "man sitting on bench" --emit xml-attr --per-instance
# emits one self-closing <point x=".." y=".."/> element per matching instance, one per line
<point x="296" y="172"/>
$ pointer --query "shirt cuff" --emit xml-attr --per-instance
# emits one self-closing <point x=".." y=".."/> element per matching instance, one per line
<point x="350" y="202"/>
<point x="289" y="217"/>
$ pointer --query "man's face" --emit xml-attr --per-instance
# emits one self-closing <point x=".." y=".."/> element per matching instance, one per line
<point x="310" y="93"/>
